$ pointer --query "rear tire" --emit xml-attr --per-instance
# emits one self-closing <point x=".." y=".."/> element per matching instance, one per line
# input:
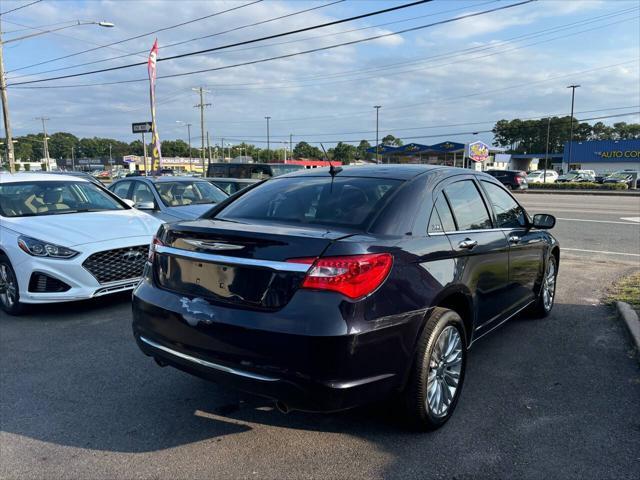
<point x="9" y="290"/>
<point x="546" y="297"/>
<point x="433" y="388"/>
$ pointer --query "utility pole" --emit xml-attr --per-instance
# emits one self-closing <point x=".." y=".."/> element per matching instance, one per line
<point x="73" y="158"/>
<point x="546" y="154"/>
<point x="5" y="113"/>
<point x="291" y="145"/>
<point x="573" y="96"/>
<point x="46" y="143"/>
<point x="204" y="174"/>
<point x="189" y="139"/>
<point x="377" y="107"/>
<point x="222" y="146"/>
<point x="268" y="138"/>
<point x="201" y="105"/>
<point x="144" y="153"/>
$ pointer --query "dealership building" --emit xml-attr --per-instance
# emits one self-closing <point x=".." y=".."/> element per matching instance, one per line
<point x="603" y="156"/>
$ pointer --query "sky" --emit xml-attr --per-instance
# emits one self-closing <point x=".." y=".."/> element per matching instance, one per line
<point x="450" y="81"/>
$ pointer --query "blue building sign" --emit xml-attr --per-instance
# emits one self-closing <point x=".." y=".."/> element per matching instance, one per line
<point x="603" y="151"/>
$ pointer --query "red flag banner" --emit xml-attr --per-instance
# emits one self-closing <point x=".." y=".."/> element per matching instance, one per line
<point x="156" y="155"/>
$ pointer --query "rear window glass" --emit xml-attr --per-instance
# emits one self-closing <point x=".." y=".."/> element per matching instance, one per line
<point x="345" y="202"/>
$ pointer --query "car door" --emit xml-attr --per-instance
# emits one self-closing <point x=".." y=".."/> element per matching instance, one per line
<point x="526" y="246"/>
<point x="481" y="251"/>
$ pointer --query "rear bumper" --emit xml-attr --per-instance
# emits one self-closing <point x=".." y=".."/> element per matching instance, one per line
<point x="325" y="372"/>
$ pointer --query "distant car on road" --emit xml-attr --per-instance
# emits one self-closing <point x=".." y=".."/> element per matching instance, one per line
<point x="540" y="176"/>
<point x="169" y="198"/>
<point x="251" y="170"/>
<point x="63" y="238"/>
<point x="512" y="179"/>
<point x="232" y="185"/>
<point x="326" y="290"/>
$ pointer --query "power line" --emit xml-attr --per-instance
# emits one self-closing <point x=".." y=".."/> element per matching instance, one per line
<point x="245" y="42"/>
<point x="164" y="47"/>
<point x="20" y="7"/>
<point x="439" y="135"/>
<point x="329" y="47"/>
<point x="424" y="127"/>
<point x="170" y="27"/>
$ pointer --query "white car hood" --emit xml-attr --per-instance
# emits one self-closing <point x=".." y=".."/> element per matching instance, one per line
<point x="80" y="228"/>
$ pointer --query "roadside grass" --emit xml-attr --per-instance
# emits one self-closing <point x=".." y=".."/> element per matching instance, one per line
<point x="627" y="289"/>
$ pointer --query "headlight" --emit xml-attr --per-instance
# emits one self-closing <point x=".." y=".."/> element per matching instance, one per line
<point x="38" y="248"/>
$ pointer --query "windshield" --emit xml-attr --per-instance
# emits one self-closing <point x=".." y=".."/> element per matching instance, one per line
<point x="345" y="202"/>
<point x="30" y="199"/>
<point x="181" y="193"/>
<point x="618" y="175"/>
<point x="535" y="174"/>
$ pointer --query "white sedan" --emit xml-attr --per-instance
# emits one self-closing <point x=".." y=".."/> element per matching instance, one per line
<point x="63" y="238"/>
<point x="540" y="176"/>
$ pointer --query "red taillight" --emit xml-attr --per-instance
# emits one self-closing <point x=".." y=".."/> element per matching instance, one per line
<point x="152" y="247"/>
<point x="354" y="276"/>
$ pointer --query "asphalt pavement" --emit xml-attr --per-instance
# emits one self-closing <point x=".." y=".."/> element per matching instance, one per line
<point x="552" y="398"/>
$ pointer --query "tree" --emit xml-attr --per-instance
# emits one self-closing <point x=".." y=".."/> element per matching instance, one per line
<point x="361" y="151"/>
<point x="391" y="141"/>
<point x="304" y="150"/>
<point x="61" y="143"/>
<point x="344" y="152"/>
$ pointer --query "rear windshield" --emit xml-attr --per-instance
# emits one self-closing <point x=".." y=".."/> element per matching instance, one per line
<point x="283" y="169"/>
<point x="345" y="202"/>
<point x="179" y="193"/>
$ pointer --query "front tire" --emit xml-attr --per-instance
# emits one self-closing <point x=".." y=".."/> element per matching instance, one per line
<point x="9" y="290"/>
<point x="437" y="375"/>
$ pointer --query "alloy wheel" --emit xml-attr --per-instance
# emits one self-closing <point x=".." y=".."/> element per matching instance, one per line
<point x="8" y="287"/>
<point x="549" y="287"/>
<point x="445" y="365"/>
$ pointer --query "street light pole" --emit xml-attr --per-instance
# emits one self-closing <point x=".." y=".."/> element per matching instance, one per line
<point x="3" y="83"/>
<point x="268" y="139"/>
<point x="573" y="96"/>
<point x="546" y="154"/>
<point x="377" y="107"/>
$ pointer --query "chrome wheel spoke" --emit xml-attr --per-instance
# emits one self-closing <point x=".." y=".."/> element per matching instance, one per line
<point x="445" y="365"/>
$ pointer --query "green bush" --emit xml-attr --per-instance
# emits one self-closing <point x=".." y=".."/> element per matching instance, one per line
<point x="27" y="167"/>
<point x="579" y="186"/>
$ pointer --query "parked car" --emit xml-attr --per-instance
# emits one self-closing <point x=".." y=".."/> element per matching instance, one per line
<point x="325" y="291"/>
<point x="64" y="239"/>
<point x="169" y="198"/>
<point x="251" y="170"/>
<point x="512" y="179"/>
<point x="232" y="185"/>
<point x="576" y="176"/>
<point x="540" y="176"/>
<point x="621" y="177"/>
<point x="85" y="176"/>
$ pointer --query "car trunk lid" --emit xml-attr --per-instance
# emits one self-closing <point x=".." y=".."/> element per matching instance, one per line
<point x="236" y="263"/>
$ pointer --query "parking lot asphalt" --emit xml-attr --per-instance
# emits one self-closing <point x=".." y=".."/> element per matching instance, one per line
<point x="551" y="398"/>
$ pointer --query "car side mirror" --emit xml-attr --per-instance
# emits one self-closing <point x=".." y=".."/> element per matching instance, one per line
<point x="145" y="206"/>
<point x="544" y="221"/>
<point x="131" y="203"/>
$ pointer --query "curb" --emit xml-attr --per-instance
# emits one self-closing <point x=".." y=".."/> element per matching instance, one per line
<point x="618" y="193"/>
<point x="630" y="318"/>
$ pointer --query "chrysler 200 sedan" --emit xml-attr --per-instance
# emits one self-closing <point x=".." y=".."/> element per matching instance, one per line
<point x="323" y="290"/>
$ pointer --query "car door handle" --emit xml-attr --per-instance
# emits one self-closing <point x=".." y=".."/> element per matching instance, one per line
<point x="514" y="239"/>
<point x="468" y="244"/>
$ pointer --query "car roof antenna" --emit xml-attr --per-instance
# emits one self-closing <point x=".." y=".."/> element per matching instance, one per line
<point x="333" y="171"/>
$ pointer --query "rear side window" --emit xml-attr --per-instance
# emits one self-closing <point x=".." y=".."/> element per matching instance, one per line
<point x="122" y="189"/>
<point x="343" y="202"/>
<point x="508" y="213"/>
<point x="441" y="218"/>
<point x="467" y="205"/>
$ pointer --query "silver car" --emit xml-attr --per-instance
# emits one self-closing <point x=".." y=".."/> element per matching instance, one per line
<point x="169" y="198"/>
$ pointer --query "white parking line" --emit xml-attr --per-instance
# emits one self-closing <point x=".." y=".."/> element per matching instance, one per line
<point x="596" y="221"/>
<point x="602" y="251"/>
<point x="631" y="219"/>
